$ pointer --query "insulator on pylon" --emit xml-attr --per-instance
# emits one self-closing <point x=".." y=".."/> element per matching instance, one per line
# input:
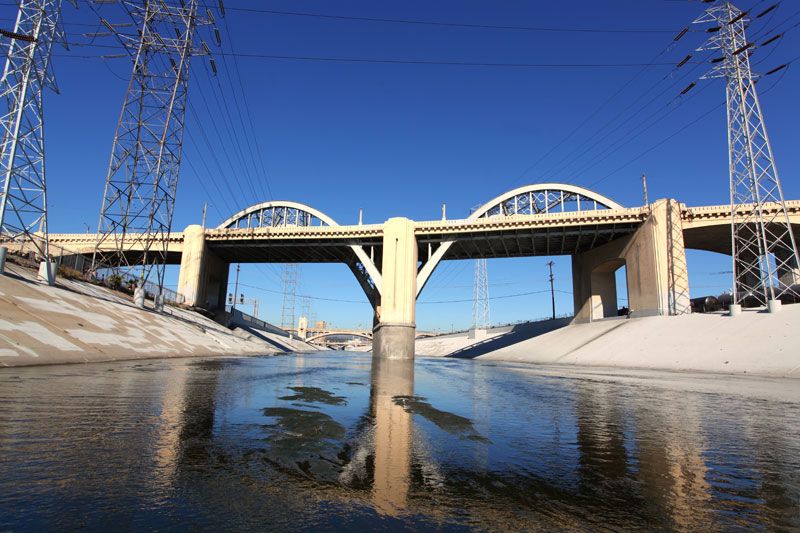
<point x="18" y="36"/>
<point x="684" y="61"/>
<point x="217" y="36"/>
<point x="742" y="49"/>
<point x="718" y="59"/>
<point x="713" y="29"/>
<point x="222" y="9"/>
<point x="210" y="15"/>
<point x="688" y="88"/>
<point x="770" y="8"/>
<point x="772" y="39"/>
<point x="213" y="66"/>
<point x="206" y="49"/>
<point x="681" y="34"/>
<point x="776" y="69"/>
<point x="737" y="18"/>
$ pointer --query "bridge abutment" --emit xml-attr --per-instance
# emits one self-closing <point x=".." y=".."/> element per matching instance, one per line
<point x="203" y="278"/>
<point x="393" y="335"/>
<point x="655" y="262"/>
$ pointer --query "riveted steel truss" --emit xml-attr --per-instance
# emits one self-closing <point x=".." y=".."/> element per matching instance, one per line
<point x="142" y="180"/>
<point x="765" y="255"/>
<point x="23" y="198"/>
<point x="480" y="296"/>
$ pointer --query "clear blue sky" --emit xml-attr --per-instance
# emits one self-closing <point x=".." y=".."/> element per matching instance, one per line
<point x="400" y="139"/>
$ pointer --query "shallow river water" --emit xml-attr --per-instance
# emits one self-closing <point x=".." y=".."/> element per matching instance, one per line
<point x="331" y="441"/>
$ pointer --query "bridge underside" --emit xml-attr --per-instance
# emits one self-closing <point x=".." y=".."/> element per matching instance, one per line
<point x="527" y="242"/>
<point x="483" y="244"/>
<point x="717" y="237"/>
<point x="287" y="251"/>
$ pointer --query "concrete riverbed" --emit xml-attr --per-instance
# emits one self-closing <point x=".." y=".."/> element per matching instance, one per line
<point x="79" y="322"/>
<point x="76" y="322"/>
<point x="755" y="343"/>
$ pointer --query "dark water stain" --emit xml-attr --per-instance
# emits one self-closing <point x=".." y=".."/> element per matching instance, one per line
<point x="299" y="424"/>
<point x="305" y="442"/>
<point x="314" y="395"/>
<point x="450" y="422"/>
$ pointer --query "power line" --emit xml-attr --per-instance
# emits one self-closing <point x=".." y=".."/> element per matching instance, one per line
<point x="551" y="29"/>
<point x="604" y="138"/>
<point x="390" y="61"/>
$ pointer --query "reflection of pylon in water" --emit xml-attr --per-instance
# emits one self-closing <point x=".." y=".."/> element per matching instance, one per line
<point x="480" y="296"/>
<point x="291" y="273"/>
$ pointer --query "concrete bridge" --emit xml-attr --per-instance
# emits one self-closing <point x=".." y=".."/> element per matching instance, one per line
<point x="393" y="261"/>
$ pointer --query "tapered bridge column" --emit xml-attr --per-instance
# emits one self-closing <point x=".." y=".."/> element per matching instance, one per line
<point x="394" y="332"/>
<point x="655" y="261"/>
<point x="203" y="278"/>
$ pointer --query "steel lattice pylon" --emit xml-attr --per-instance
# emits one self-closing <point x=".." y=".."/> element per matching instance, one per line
<point x="765" y="257"/>
<point x="142" y="180"/>
<point x="291" y="273"/>
<point x="480" y="296"/>
<point x="23" y="199"/>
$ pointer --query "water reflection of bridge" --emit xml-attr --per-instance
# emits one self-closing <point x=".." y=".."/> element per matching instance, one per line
<point x="592" y="457"/>
<point x="571" y="452"/>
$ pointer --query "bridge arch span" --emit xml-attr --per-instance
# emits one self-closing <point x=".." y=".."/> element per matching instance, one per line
<point x="541" y="198"/>
<point x="338" y="334"/>
<point x="284" y="213"/>
<point x="277" y="213"/>
<point x="532" y="199"/>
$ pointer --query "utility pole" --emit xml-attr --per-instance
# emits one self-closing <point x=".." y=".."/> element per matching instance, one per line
<point x="765" y="255"/>
<point x="552" y="288"/>
<point x="205" y="208"/>
<point x="235" y="288"/>
<point x="142" y="180"/>
<point x="23" y="198"/>
<point x="644" y="187"/>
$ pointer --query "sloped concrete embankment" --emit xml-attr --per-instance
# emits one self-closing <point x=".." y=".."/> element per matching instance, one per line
<point x="77" y="322"/>
<point x="754" y="343"/>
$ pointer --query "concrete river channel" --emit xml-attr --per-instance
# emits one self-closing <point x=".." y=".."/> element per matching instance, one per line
<point x="332" y="441"/>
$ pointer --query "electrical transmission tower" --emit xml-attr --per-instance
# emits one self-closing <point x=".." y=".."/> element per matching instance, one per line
<point x="765" y="257"/>
<point x="142" y="179"/>
<point x="480" y="296"/>
<point x="291" y="273"/>
<point x="23" y="199"/>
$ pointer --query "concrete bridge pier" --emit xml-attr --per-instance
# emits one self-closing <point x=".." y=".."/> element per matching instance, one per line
<point x="393" y="334"/>
<point x="655" y="262"/>
<point x="203" y="278"/>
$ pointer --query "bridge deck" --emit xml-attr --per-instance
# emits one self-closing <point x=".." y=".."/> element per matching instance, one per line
<point x="705" y="228"/>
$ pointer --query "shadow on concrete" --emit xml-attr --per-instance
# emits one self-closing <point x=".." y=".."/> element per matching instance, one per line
<point x="260" y="334"/>
<point x="518" y="333"/>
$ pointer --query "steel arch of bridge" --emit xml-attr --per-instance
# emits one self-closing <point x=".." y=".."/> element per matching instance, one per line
<point x="283" y="213"/>
<point x="335" y="334"/>
<point x="534" y="199"/>
<point x="544" y="198"/>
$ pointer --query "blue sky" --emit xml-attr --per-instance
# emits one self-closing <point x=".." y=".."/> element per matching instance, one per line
<point x="400" y="139"/>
